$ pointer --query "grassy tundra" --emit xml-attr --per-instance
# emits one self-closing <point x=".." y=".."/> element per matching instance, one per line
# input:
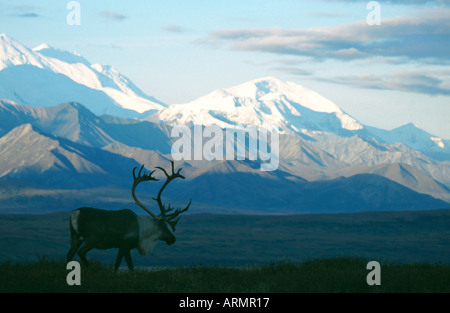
<point x="238" y="253"/>
<point x="320" y="275"/>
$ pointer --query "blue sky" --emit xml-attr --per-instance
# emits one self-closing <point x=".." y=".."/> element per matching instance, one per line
<point x="384" y="75"/>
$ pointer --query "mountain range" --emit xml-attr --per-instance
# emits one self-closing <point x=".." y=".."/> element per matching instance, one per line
<point x="72" y="130"/>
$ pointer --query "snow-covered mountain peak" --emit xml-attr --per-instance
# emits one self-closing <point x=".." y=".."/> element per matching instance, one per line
<point x="42" y="46"/>
<point x="274" y="89"/>
<point x="13" y="53"/>
<point x="70" y="57"/>
<point x="113" y="74"/>
<point x="266" y="102"/>
<point x="257" y="88"/>
<point x="55" y="76"/>
<point x="438" y="141"/>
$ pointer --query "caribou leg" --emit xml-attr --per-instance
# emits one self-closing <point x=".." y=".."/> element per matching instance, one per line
<point x="118" y="259"/>
<point x="128" y="259"/>
<point x="124" y="253"/>
<point x="74" y="246"/>
<point x="82" y="253"/>
<point x="75" y="243"/>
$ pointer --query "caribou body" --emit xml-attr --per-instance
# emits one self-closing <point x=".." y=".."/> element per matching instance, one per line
<point x="124" y="229"/>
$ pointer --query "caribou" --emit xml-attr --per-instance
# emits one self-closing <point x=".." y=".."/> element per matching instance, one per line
<point x="124" y="229"/>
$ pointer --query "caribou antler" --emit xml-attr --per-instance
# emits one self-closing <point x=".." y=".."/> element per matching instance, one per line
<point x="139" y="179"/>
<point x="171" y="218"/>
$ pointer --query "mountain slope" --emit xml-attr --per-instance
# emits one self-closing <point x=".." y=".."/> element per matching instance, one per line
<point x="415" y="138"/>
<point x="405" y="175"/>
<point x="250" y="192"/>
<point x="67" y="77"/>
<point x="76" y="123"/>
<point x="328" y="155"/>
<point x="13" y="53"/>
<point x="29" y="155"/>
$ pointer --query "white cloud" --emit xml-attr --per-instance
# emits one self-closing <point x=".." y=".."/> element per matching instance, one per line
<point x="424" y="81"/>
<point x="112" y="16"/>
<point x="424" y="37"/>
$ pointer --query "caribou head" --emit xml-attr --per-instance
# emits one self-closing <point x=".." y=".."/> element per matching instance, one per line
<point x="166" y="216"/>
